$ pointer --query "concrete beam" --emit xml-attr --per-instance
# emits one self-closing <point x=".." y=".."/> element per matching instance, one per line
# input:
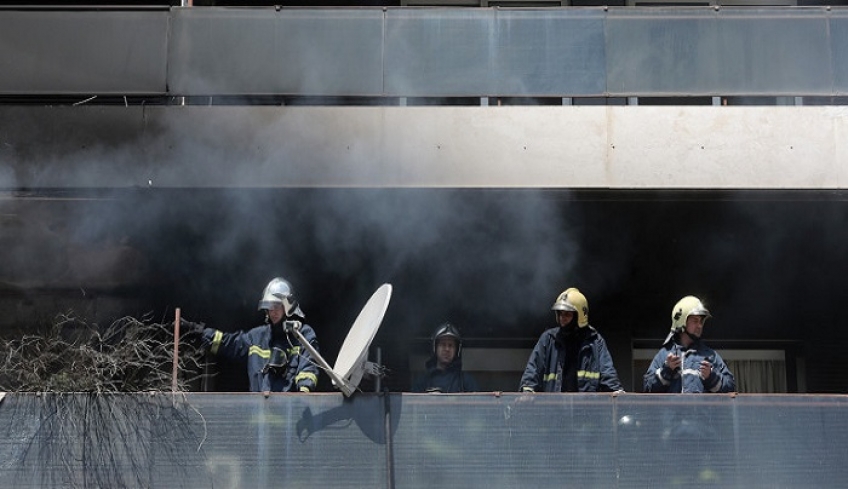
<point x="578" y="147"/>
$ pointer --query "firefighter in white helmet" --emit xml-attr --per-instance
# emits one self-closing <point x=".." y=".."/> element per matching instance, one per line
<point x="685" y="363"/>
<point x="443" y="370"/>
<point x="276" y="361"/>
<point x="573" y="356"/>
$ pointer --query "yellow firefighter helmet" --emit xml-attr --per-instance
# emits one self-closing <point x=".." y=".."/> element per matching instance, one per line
<point x="685" y="307"/>
<point x="572" y="299"/>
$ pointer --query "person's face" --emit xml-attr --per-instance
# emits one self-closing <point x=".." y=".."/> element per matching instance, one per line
<point x="695" y="325"/>
<point x="445" y="351"/>
<point x="275" y="313"/>
<point x="564" y="318"/>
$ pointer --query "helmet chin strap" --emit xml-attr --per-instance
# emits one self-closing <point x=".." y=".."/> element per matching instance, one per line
<point x="692" y="337"/>
<point x="278" y="332"/>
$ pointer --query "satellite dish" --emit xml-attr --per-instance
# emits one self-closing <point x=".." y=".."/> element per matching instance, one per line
<point x="352" y="362"/>
<point x="353" y="356"/>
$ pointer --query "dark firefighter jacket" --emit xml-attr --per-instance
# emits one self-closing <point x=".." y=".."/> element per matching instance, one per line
<point x="451" y="379"/>
<point x="660" y="378"/>
<point x="595" y="371"/>
<point x="301" y="373"/>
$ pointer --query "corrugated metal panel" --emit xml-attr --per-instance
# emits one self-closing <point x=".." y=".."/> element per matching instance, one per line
<point x="676" y="51"/>
<point x="83" y="52"/>
<point x="460" y="440"/>
<point x="553" y="53"/>
<point x="780" y="51"/>
<point x="411" y="52"/>
<point x="227" y="441"/>
<point x="839" y="50"/>
<point x="662" y="50"/>
<point x="266" y="51"/>
<point x="441" y="52"/>
<point x="509" y="442"/>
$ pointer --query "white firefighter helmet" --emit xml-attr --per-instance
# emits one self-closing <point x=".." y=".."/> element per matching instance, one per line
<point x="280" y="291"/>
<point x="685" y="307"/>
<point x="447" y="330"/>
<point x="573" y="300"/>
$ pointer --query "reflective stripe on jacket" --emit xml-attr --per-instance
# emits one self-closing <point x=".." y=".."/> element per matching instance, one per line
<point x="595" y="370"/>
<point x="301" y="373"/>
<point x="660" y="378"/>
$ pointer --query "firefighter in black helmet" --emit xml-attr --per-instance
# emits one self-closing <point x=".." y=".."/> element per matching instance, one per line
<point x="573" y="356"/>
<point x="444" y="367"/>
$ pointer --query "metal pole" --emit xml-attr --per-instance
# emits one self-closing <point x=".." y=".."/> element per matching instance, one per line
<point x="323" y="363"/>
<point x="378" y="383"/>
<point x="176" y="365"/>
<point x="390" y="459"/>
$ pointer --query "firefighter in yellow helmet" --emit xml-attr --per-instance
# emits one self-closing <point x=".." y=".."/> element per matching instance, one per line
<point x="685" y="363"/>
<point x="573" y="356"/>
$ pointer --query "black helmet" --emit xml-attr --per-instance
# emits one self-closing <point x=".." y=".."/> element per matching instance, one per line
<point x="447" y="330"/>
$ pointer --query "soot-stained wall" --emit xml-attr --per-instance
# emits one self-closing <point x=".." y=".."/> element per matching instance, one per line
<point x="769" y="264"/>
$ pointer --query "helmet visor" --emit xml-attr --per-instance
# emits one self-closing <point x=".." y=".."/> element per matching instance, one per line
<point x="699" y="311"/>
<point x="563" y="306"/>
<point x="268" y="301"/>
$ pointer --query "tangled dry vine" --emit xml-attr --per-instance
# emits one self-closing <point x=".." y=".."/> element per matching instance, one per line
<point x="95" y="407"/>
<point x="130" y="355"/>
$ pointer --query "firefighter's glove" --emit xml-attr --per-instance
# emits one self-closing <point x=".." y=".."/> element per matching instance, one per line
<point x="667" y="373"/>
<point x="671" y="367"/>
<point x="526" y="395"/>
<point x="708" y="375"/>
<point x="191" y="328"/>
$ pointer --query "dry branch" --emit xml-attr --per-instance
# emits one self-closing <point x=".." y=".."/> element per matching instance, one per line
<point x="130" y="355"/>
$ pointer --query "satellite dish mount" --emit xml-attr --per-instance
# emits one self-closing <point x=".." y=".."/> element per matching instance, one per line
<point x="352" y="363"/>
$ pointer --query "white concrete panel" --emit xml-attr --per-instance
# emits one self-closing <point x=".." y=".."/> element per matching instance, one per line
<point x="565" y="147"/>
<point x="497" y="146"/>
<point x="616" y="147"/>
<point x="728" y="147"/>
